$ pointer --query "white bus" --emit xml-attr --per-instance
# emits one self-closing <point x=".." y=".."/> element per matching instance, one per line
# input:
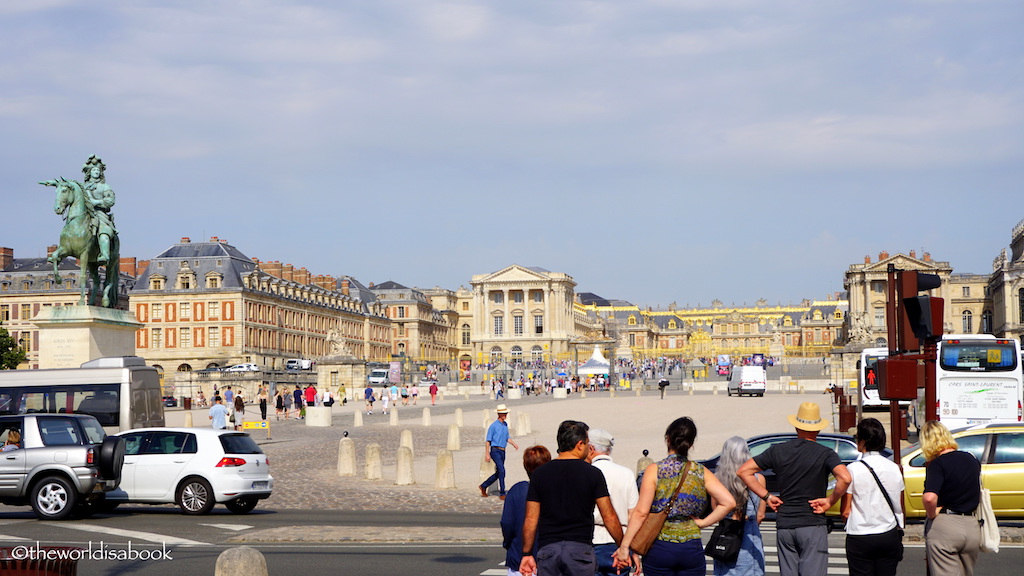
<point x="121" y="392"/>
<point x="867" y="370"/>
<point x="978" y="380"/>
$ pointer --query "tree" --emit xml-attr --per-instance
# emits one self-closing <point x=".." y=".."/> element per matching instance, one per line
<point x="10" y="353"/>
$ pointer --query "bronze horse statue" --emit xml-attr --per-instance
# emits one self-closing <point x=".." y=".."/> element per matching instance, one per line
<point x="79" y="239"/>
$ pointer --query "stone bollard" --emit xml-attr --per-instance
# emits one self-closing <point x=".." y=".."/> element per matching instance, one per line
<point x="426" y="416"/>
<point x="454" y="438"/>
<point x="458" y="417"/>
<point x="611" y="390"/>
<point x="241" y="561"/>
<point x="637" y="392"/>
<point x="465" y="396"/>
<point x="374" y="471"/>
<point x="445" y="476"/>
<point x="559" y="392"/>
<point x="406" y="440"/>
<point x="487" y="424"/>
<point x="346" y="457"/>
<point x="358" y="419"/>
<point x="583" y="393"/>
<point x="486" y="469"/>
<point x="643" y="463"/>
<point x="487" y="418"/>
<point x="523" y="425"/>
<point x="404" y="475"/>
<point x="714" y="390"/>
<point x="318" y="416"/>
<point x="691" y="390"/>
<point x="394" y="416"/>
<point x="188" y="419"/>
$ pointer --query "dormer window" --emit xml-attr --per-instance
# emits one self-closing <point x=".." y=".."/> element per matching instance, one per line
<point x="157" y="282"/>
<point x="214" y="280"/>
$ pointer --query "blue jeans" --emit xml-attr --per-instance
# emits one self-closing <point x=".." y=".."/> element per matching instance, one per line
<point x="498" y="457"/>
<point x="566" y="558"/>
<point x="603" y="555"/>
<point x="675" y="559"/>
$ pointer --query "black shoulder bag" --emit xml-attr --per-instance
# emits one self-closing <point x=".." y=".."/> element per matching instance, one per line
<point x="726" y="540"/>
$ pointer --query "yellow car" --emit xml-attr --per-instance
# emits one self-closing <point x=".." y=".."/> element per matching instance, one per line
<point x="999" y="448"/>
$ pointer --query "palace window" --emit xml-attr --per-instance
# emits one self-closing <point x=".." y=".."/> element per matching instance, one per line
<point x="671" y="324"/>
<point x="966" y="291"/>
<point x="986" y="322"/>
<point x="213" y="336"/>
<point x="400" y="310"/>
<point x="465" y="306"/>
<point x="466" y="340"/>
<point x="184" y="310"/>
<point x="496" y="354"/>
<point x="879" y="317"/>
<point x="787" y="320"/>
<point x="213" y="310"/>
<point x="1020" y="304"/>
<point x="817" y="315"/>
<point x="538" y="324"/>
<point x="538" y="296"/>
<point x="632" y="339"/>
<point x="499" y="325"/>
<point x="536" y="353"/>
<point x="967" y="322"/>
<point x="517" y="325"/>
<point x="838" y="315"/>
<point x="26" y="311"/>
<point x="185" y="338"/>
<point x="156" y="312"/>
<point x="156" y="283"/>
<point x="5" y="312"/>
<point x="632" y="320"/>
<point x="517" y="297"/>
<point x="517" y="353"/>
<point x="878" y="286"/>
<point x="157" y="338"/>
<point x="214" y="280"/>
<point x="498" y="297"/>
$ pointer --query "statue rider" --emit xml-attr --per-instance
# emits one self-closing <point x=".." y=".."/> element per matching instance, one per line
<point x="100" y="198"/>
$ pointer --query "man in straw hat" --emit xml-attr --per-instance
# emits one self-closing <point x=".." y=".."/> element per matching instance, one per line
<point x="494" y="449"/>
<point x="802" y="467"/>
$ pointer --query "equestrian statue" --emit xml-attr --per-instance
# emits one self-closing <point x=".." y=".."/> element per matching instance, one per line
<point x="89" y="233"/>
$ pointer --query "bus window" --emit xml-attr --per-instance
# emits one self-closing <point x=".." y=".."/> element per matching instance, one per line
<point x="978" y="357"/>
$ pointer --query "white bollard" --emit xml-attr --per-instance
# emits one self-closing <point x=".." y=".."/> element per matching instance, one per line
<point x="188" y="419"/>
<point x="487" y="418"/>
<point x="523" y="425"/>
<point x="358" y="419"/>
<point x="426" y="416"/>
<point x="714" y="390"/>
<point x="583" y="393"/>
<point x="458" y="417"/>
<point x="346" y="457"/>
<point x="406" y="440"/>
<point x="241" y="561"/>
<point x="559" y="393"/>
<point x="643" y="463"/>
<point x="394" y="416"/>
<point x="612" y="390"/>
<point x="445" y="476"/>
<point x="374" y="470"/>
<point x="404" y="475"/>
<point x="454" y="438"/>
<point x="318" y="416"/>
<point x="637" y="392"/>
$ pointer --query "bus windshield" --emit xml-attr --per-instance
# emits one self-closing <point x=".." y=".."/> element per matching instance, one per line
<point x="990" y="356"/>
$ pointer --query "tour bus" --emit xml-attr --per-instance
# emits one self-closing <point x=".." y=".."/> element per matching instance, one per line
<point x="978" y="381"/>
<point x="121" y="392"/>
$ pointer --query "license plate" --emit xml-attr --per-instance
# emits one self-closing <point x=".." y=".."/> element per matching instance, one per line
<point x="259" y="485"/>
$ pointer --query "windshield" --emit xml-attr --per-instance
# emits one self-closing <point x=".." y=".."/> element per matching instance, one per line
<point x="993" y="356"/>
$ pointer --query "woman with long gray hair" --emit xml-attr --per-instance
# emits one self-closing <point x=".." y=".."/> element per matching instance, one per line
<point x="749" y="508"/>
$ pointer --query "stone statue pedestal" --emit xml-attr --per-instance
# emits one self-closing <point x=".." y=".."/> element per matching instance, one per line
<point x="341" y="370"/>
<point x="71" y="335"/>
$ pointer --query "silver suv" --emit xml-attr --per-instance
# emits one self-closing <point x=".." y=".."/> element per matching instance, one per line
<point x="61" y="463"/>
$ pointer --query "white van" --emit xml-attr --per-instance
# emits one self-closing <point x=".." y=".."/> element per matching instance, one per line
<point x="748" y="380"/>
<point x="298" y="364"/>
<point x="378" y="376"/>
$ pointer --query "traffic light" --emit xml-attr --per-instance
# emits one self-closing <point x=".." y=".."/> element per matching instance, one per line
<point x="920" y="315"/>
<point x="899" y="378"/>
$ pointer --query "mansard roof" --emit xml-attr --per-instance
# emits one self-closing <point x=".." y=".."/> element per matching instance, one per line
<point x="389" y="285"/>
<point x="199" y="258"/>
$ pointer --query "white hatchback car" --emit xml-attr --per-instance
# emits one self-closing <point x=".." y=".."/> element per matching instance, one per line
<point x="195" y="468"/>
<point x="247" y="367"/>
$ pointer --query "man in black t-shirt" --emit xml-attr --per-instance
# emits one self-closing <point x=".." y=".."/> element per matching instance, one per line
<point x="802" y="467"/>
<point x="560" y="508"/>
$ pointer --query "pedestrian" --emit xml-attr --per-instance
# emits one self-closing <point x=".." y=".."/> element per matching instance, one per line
<point x="278" y="402"/>
<point x="310" y="395"/>
<point x="802" y="467"/>
<point x="218" y="414"/>
<point x="414" y="391"/>
<point x="623" y="493"/>
<point x="495" y="442"/>
<point x="297" y="397"/>
<point x="288" y="401"/>
<point x="263" y="402"/>
<point x="433" y="393"/>
<point x="238" y="414"/>
<point x="560" y="509"/>
<point x="952" y="491"/>
<point x="229" y="396"/>
<point x="405" y="395"/>
<point x="369" y="397"/>
<point x="677" y="549"/>
<point x="385" y="399"/>
<point x="872" y="507"/>
<point x="514" y="512"/>
<point x="749" y="508"/>
<point x="662" y="385"/>
<point x="328" y="398"/>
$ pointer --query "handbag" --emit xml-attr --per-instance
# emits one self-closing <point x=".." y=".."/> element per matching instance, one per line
<point x="654" y="522"/>
<point x="987" y="519"/>
<point x="727" y="538"/>
<point x="887" y="500"/>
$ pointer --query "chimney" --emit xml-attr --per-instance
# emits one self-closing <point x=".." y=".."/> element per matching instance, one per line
<point x="867" y="259"/>
<point x="913" y="253"/>
<point x="273" y="268"/>
<point x="288" y="272"/>
<point x="927" y="257"/>
<point x="186" y="240"/>
<point x="302" y="276"/>
<point x="882" y="255"/>
<point x="6" y="258"/>
<point x="129" y="266"/>
<point x="344" y="286"/>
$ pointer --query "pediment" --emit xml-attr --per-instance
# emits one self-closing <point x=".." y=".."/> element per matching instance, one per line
<point x="901" y="262"/>
<point x="515" y="273"/>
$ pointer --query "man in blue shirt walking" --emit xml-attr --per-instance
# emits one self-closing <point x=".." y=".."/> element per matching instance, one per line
<point x="218" y="414"/>
<point x="494" y="449"/>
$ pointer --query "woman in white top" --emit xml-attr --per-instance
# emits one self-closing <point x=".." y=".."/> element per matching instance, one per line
<point x="874" y="518"/>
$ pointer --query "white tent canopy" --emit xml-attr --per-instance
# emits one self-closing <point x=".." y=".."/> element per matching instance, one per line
<point x="597" y="364"/>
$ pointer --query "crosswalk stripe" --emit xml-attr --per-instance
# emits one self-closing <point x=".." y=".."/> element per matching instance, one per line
<point x="148" y="536"/>
<point x="6" y="538"/>
<point x="494" y="572"/>
<point x="235" y="527"/>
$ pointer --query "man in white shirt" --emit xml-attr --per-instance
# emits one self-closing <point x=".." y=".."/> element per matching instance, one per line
<point x="624" y="495"/>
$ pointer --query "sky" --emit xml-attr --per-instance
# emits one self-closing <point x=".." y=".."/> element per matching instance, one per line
<point x="657" y="151"/>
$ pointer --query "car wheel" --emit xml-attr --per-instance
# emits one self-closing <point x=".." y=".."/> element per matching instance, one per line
<point x="195" y="496"/>
<point x="241" y="505"/>
<point x="53" y="498"/>
<point x="728" y="391"/>
<point x="111" y="458"/>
